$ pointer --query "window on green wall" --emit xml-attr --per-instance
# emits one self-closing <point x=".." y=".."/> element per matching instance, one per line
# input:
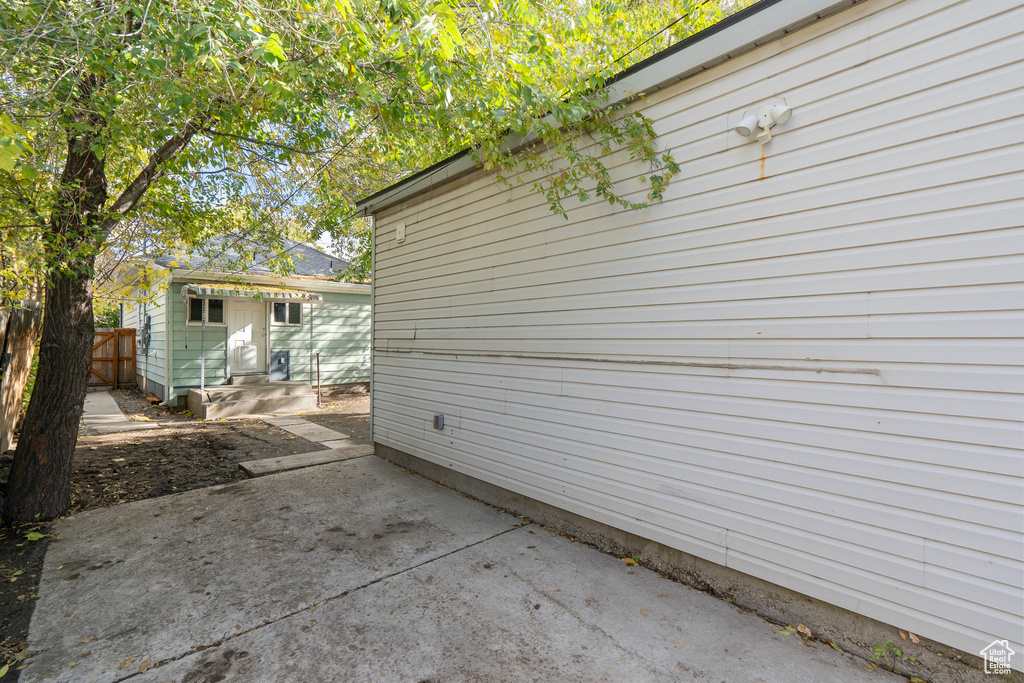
<point x="287" y="313"/>
<point x="214" y="311"/>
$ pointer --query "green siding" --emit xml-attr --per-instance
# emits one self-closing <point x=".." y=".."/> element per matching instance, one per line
<point x="341" y="335"/>
<point x="150" y="365"/>
<point x="186" y="361"/>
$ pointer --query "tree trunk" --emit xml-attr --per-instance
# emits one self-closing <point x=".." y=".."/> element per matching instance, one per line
<point x="40" y="481"/>
<point x="39" y="486"/>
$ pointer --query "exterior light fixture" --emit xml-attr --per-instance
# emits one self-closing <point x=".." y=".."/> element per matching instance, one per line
<point x="758" y="121"/>
<point x="748" y="127"/>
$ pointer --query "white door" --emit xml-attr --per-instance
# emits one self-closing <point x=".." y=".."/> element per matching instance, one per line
<point x="247" y="337"/>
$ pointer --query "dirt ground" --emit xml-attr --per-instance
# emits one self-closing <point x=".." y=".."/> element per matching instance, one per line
<point x="110" y="469"/>
<point x="345" y="413"/>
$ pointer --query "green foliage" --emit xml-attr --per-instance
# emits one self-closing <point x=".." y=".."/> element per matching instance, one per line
<point x="106" y="314"/>
<point x="31" y="382"/>
<point x="230" y="115"/>
<point x="887" y="654"/>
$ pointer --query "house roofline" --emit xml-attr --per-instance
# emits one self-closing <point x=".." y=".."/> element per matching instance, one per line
<point x="728" y="39"/>
<point x="311" y="284"/>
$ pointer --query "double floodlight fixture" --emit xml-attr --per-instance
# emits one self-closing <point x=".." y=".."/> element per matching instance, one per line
<point x="758" y="121"/>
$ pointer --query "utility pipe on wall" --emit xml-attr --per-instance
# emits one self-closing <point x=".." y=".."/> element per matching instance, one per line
<point x="202" y="346"/>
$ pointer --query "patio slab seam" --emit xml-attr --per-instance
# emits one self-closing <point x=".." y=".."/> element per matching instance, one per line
<point x="289" y="463"/>
<point x="197" y="649"/>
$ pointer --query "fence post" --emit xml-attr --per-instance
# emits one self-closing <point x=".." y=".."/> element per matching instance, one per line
<point x="117" y="356"/>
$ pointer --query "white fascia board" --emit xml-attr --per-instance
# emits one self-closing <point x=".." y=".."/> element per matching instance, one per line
<point x="272" y="280"/>
<point x="743" y="36"/>
<point x="760" y="29"/>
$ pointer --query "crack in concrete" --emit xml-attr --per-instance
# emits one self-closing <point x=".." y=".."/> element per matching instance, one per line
<point x="217" y="643"/>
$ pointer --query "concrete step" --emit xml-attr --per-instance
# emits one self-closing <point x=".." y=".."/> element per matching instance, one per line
<point x="249" y="379"/>
<point x="259" y="468"/>
<point x="227" y="392"/>
<point x="272" y="405"/>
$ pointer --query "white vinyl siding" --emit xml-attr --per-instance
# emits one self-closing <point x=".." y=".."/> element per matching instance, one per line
<point x="805" y="366"/>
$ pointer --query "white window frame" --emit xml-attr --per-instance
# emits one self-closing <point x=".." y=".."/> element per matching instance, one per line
<point x="287" y="314"/>
<point x="206" y="312"/>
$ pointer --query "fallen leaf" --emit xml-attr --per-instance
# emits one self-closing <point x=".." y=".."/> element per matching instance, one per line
<point x="144" y="666"/>
<point x="678" y="644"/>
<point x="126" y="663"/>
<point x="781" y="632"/>
<point x="791" y="629"/>
<point x="630" y="562"/>
<point x="834" y="646"/>
<point x="804" y="630"/>
<point x="87" y="639"/>
<point x="903" y="635"/>
<point x="3" y="670"/>
<point x="914" y="638"/>
<point x="34" y="536"/>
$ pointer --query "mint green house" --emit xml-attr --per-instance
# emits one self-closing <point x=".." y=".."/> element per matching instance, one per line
<point x="253" y="342"/>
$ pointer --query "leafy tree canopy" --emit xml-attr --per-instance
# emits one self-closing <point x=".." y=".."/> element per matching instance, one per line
<point x="228" y="115"/>
<point x="169" y="120"/>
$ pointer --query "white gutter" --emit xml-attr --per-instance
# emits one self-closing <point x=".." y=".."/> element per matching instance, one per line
<point x="271" y="280"/>
<point x="707" y="49"/>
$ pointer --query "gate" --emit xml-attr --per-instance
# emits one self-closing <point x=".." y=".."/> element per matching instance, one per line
<point x="113" y="358"/>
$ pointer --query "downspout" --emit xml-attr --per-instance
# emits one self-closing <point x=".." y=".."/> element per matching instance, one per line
<point x="169" y="344"/>
<point x="373" y="298"/>
<point x="145" y="309"/>
<point x="202" y="348"/>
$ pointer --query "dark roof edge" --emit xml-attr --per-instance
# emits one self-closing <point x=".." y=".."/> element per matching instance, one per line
<point x="729" y="38"/>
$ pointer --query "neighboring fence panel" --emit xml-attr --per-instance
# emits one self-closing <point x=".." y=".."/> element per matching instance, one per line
<point x="113" y="349"/>
<point x="19" y="328"/>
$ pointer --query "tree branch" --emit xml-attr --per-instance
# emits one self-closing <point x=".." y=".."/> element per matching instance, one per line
<point x="278" y="145"/>
<point x="151" y="173"/>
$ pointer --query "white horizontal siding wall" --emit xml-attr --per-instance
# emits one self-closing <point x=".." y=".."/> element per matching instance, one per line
<point x="806" y="366"/>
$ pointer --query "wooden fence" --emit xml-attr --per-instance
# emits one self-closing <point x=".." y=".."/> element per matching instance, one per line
<point x="19" y="329"/>
<point x="113" y="358"/>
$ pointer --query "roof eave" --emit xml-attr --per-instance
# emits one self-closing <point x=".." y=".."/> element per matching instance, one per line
<point x="287" y="281"/>
<point x="728" y="39"/>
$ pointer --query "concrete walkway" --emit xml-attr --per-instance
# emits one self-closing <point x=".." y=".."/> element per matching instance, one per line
<point x="101" y="415"/>
<point x="338" y="447"/>
<point x="328" y="438"/>
<point x="359" y="570"/>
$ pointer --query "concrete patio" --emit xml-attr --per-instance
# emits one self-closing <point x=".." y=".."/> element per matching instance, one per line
<point x="358" y="570"/>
